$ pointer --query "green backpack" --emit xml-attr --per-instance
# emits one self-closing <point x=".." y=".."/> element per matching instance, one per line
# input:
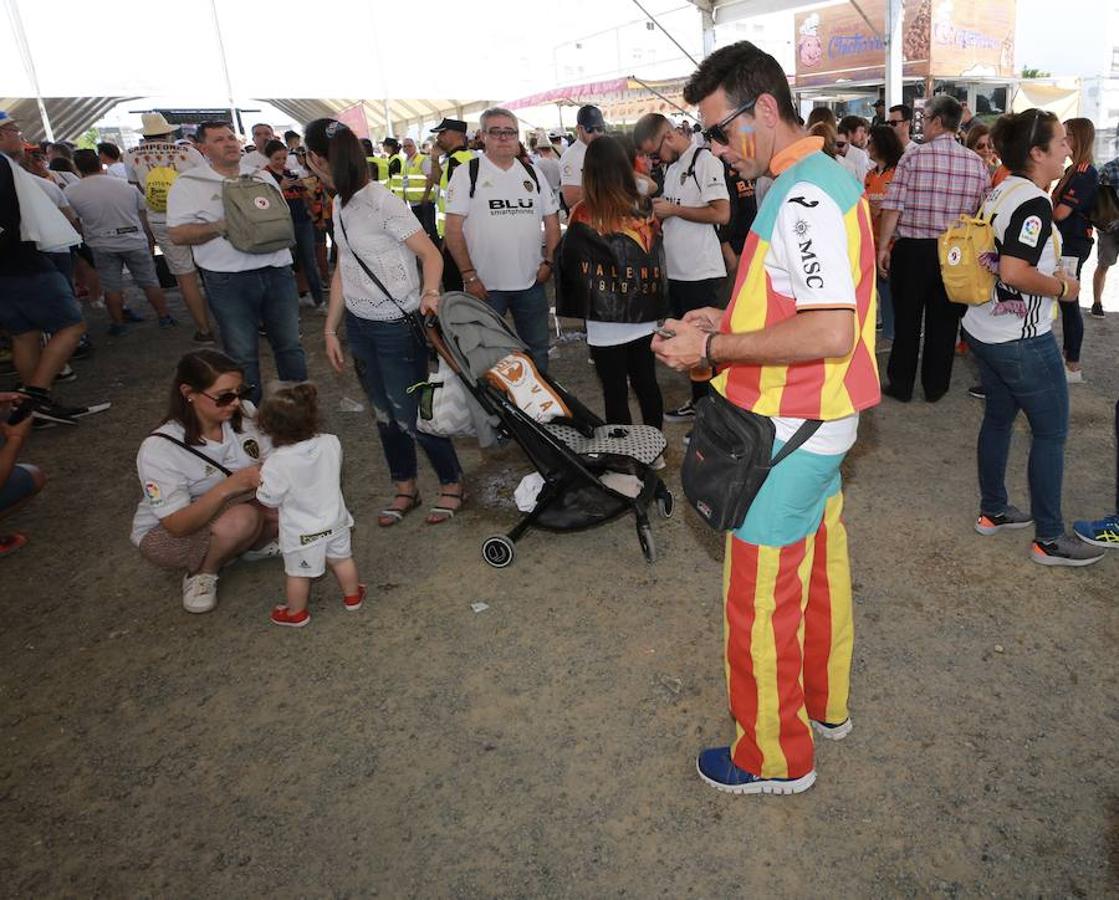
<point x="257" y="218"/>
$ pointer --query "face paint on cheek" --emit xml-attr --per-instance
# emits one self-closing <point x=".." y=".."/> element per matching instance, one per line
<point x="745" y="143"/>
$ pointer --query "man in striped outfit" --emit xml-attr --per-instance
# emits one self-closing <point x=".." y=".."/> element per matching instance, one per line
<point x="796" y="343"/>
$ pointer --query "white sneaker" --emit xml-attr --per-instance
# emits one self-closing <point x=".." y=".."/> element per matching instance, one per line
<point x="1076" y="377"/>
<point x="200" y="592"/>
<point x="307" y="302"/>
<point x="268" y="551"/>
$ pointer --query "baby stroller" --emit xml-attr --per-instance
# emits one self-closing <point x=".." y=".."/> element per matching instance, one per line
<point x="570" y="453"/>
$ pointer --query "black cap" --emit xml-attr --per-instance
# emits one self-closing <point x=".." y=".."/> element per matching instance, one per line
<point x="450" y="125"/>
<point x="590" y="117"/>
<point x="877" y="103"/>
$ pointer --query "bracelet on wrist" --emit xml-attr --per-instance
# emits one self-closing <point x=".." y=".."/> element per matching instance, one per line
<point x="471" y="279"/>
<point x="464" y="271"/>
<point x="1063" y="288"/>
<point x="431" y="291"/>
<point x="331" y="333"/>
<point x="708" y="360"/>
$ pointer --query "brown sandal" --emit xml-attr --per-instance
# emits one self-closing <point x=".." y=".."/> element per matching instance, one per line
<point x="390" y="516"/>
<point x="439" y="514"/>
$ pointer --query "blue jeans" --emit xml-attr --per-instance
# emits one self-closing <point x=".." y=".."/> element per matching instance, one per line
<point x="305" y="252"/>
<point x="389" y="359"/>
<point x="243" y="301"/>
<point x="1024" y="375"/>
<point x="530" y="318"/>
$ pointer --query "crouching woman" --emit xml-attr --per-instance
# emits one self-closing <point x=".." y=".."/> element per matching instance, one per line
<point x="198" y="471"/>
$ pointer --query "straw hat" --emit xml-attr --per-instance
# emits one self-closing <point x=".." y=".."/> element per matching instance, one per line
<point x="154" y="123"/>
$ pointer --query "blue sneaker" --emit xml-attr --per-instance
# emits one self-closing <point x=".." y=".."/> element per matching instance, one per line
<point x="130" y="316"/>
<point x="718" y="770"/>
<point x="1101" y="533"/>
<point x="167" y="322"/>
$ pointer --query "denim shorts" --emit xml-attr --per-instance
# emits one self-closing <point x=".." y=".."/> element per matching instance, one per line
<point x="42" y="301"/>
<point x="19" y="486"/>
<point x="110" y="264"/>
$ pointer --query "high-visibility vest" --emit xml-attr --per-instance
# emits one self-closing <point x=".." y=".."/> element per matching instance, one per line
<point x="396" y="179"/>
<point x="380" y="167"/>
<point x="413" y="180"/>
<point x="458" y="158"/>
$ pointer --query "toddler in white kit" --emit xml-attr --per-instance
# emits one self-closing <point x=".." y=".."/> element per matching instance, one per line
<point x="302" y="478"/>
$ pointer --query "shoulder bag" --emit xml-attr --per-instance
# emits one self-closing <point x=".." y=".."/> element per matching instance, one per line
<point x="412" y="320"/>
<point x="729" y="457"/>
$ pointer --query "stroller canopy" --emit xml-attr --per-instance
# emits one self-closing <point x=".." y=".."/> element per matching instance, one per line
<point x="476" y="336"/>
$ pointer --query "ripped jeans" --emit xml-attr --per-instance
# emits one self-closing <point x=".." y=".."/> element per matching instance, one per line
<point x="389" y="360"/>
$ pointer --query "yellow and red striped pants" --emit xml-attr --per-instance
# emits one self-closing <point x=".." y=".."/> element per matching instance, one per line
<point x="789" y="638"/>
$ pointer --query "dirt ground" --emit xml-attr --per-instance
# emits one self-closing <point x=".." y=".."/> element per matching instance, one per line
<point x="544" y="747"/>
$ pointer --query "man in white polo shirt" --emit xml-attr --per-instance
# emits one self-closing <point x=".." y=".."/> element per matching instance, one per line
<point x="245" y="290"/>
<point x="694" y="202"/>
<point x="590" y="125"/>
<point x="495" y="208"/>
<point x="255" y="160"/>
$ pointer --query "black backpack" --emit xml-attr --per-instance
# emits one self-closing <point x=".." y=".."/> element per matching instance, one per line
<point x="476" y="165"/>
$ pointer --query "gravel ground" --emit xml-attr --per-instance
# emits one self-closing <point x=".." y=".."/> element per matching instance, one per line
<point x="544" y="746"/>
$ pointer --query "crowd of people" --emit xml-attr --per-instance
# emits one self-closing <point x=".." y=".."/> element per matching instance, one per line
<point x="767" y="258"/>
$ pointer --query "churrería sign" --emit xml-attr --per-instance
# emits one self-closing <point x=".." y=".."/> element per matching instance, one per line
<point x="943" y="38"/>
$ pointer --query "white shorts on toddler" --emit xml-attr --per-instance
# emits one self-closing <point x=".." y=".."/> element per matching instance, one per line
<point x="310" y="561"/>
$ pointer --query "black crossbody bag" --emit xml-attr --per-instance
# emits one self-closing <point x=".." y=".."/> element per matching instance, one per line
<point x="411" y="319"/>
<point x="728" y="459"/>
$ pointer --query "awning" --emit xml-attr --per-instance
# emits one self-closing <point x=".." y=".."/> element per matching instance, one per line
<point x="70" y="117"/>
<point x="404" y="114"/>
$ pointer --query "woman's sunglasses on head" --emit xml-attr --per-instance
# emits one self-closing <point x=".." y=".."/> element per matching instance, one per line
<point x="226" y="397"/>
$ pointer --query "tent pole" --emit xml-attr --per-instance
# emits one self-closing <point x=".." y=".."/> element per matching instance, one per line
<point x="233" y="118"/>
<point x="29" y="65"/>
<point x="895" y="12"/>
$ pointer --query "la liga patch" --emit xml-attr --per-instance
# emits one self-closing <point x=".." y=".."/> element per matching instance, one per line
<point x="153" y="493"/>
<point x="1031" y="231"/>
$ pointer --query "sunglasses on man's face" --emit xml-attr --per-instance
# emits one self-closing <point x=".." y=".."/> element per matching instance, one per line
<point x="717" y="133"/>
<point x="226" y="397"/>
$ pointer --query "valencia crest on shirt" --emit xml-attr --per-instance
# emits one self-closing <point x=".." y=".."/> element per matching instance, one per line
<point x="251" y="447"/>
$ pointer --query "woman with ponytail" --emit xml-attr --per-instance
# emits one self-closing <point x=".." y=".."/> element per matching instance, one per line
<point x="1012" y="340"/>
<point x="1073" y="200"/>
<point x="375" y="287"/>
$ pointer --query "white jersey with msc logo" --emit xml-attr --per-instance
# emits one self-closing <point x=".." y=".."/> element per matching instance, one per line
<point x="503" y="221"/>
<point x="691" y="249"/>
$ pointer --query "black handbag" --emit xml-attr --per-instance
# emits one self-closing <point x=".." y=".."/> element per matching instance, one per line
<point x="163" y="273"/>
<point x="728" y="459"/>
<point x="412" y="320"/>
<point x="1104" y="214"/>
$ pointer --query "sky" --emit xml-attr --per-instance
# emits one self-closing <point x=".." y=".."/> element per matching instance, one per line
<point x="487" y="49"/>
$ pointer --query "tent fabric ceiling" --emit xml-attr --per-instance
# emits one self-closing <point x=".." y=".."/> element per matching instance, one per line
<point x="70" y="117"/>
<point x="402" y="112"/>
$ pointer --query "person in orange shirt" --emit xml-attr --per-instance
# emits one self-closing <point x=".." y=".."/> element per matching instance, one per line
<point x="885" y="150"/>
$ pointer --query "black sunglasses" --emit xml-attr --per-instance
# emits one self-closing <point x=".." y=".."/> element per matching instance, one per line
<point x="717" y="133"/>
<point x="226" y="397"/>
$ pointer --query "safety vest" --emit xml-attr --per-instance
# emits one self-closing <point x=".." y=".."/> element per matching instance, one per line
<point x="458" y="158"/>
<point x="413" y="180"/>
<point x="380" y="169"/>
<point x="396" y="179"/>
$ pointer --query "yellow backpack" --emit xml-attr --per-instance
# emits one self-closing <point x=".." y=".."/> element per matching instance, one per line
<point x="968" y="258"/>
<point x="157" y="186"/>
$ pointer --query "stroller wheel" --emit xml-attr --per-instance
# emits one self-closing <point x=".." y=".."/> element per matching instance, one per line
<point x="498" y="551"/>
<point x="645" y="536"/>
<point x="666" y="504"/>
